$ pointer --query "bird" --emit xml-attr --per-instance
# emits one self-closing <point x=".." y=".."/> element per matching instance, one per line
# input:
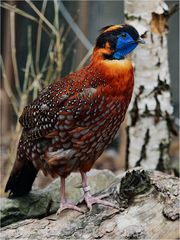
<point x="71" y="122"/>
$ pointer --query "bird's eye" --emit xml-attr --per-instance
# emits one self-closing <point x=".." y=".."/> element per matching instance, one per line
<point x="123" y="35"/>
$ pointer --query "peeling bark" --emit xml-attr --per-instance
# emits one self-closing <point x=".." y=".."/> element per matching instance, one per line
<point x="151" y="106"/>
<point x="148" y="209"/>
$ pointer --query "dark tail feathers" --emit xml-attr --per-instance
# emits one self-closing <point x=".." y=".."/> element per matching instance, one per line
<point x="20" y="183"/>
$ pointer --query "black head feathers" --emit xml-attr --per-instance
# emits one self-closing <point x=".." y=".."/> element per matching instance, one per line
<point x="110" y="33"/>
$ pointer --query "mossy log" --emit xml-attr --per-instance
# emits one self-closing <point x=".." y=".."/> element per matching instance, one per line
<point x="148" y="209"/>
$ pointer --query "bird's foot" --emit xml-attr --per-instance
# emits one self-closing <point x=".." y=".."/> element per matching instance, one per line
<point x="67" y="205"/>
<point x="90" y="200"/>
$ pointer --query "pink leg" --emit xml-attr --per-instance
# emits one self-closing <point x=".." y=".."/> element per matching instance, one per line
<point x="89" y="199"/>
<point x="64" y="204"/>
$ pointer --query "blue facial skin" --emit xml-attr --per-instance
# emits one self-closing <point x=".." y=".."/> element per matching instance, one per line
<point x="125" y="44"/>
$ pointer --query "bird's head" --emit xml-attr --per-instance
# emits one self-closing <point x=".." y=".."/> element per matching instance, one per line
<point x="116" y="41"/>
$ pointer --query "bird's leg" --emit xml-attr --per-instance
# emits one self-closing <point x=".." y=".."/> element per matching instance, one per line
<point x="89" y="199"/>
<point x="64" y="204"/>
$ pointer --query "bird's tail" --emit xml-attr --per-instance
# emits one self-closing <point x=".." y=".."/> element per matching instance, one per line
<point x="21" y="179"/>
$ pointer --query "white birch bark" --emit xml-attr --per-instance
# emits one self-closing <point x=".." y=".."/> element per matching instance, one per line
<point x="150" y="108"/>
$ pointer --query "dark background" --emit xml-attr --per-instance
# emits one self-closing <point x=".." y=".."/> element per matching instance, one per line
<point x="90" y="17"/>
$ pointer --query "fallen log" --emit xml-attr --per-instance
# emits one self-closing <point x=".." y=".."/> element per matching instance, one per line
<point x="148" y="209"/>
<point x="43" y="202"/>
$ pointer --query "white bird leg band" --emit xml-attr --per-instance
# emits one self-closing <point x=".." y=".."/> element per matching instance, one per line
<point x="86" y="189"/>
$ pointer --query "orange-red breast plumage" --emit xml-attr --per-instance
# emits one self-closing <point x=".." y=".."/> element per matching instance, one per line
<point x="74" y="119"/>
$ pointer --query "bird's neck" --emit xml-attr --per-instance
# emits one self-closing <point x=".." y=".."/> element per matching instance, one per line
<point x="118" y="74"/>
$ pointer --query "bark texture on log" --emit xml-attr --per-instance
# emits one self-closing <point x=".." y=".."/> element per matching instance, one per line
<point x="148" y="209"/>
<point x="43" y="202"/>
<point x="149" y="118"/>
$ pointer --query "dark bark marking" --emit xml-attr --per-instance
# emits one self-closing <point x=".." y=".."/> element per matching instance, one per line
<point x="141" y="90"/>
<point x="152" y="40"/>
<point x="162" y="148"/>
<point x="144" y="35"/>
<point x="143" y="150"/>
<point x="134" y="113"/>
<point x="146" y="109"/>
<point x="157" y="110"/>
<point x="158" y="64"/>
<point x="161" y="86"/>
<point x="131" y="18"/>
<point x="171" y="125"/>
<point x="161" y="40"/>
<point x="146" y="112"/>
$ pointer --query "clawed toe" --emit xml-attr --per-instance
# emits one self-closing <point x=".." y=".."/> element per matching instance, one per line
<point x="90" y="200"/>
<point x="64" y="206"/>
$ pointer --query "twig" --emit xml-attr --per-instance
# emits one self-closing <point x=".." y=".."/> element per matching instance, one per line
<point x="59" y="44"/>
<point x="69" y="49"/>
<point x="50" y="69"/>
<point x="56" y="15"/>
<point x="30" y="50"/>
<point x="8" y="88"/>
<point x="53" y="29"/>
<point x="22" y="13"/>
<point x="51" y="44"/>
<point x="74" y="26"/>
<point x="26" y="74"/>
<point x="58" y="58"/>
<point x="12" y="8"/>
<point x="38" y="41"/>
<point x="28" y="62"/>
<point x="68" y="29"/>
<point x="35" y="83"/>
<point x="13" y="52"/>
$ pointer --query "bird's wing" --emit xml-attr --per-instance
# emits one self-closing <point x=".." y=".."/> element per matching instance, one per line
<point x="39" y="118"/>
<point x="88" y="112"/>
<point x="80" y="107"/>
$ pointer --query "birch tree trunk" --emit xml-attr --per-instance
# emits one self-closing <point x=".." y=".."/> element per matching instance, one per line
<point x="148" y="130"/>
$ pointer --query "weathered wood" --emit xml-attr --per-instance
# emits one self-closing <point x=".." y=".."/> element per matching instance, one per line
<point x="148" y="209"/>
<point x="43" y="202"/>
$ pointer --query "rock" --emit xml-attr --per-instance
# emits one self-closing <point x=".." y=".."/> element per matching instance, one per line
<point x="43" y="202"/>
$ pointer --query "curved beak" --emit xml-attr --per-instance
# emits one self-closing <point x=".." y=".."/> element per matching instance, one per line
<point x="140" y="40"/>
